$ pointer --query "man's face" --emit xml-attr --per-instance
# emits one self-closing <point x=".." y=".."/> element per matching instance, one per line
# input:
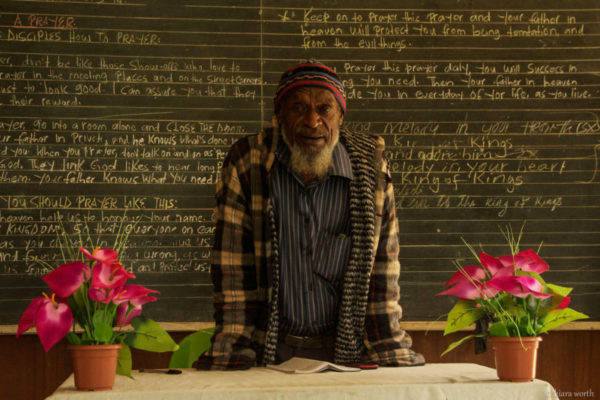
<point x="311" y="119"/>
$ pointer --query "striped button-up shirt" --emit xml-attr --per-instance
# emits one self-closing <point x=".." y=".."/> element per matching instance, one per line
<point x="313" y="227"/>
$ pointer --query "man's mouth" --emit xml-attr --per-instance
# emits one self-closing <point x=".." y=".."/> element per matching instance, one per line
<point x="312" y="138"/>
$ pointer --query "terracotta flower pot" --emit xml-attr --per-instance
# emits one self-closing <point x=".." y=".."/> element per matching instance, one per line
<point x="516" y="358"/>
<point x="94" y="366"/>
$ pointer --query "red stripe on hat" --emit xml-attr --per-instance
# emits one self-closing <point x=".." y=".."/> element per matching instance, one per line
<point x="339" y="96"/>
<point x="311" y="65"/>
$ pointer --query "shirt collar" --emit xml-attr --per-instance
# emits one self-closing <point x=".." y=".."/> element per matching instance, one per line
<point x="341" y="160"/>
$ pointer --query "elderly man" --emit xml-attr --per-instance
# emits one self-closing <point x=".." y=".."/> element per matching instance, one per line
<point x="305" y="259"/>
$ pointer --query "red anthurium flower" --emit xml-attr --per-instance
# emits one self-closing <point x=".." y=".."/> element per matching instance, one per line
<point x="468" y="274"/>
<point x="52" y="320"/>
<point x="102" y="295"/>
<point x="519" y="286"/>
<point x="109" y="276"/>
<point x="468" y="284"/>
<point x="470" y="290"/>
<point x="106" y="256"/>
<point x="564" y="303"/>
<point x="528" y="260"/>
<point x="496" y="266"/>
<point x="132" y="292"/>
<point x="122" y="317"/>
<point x="134" y="295"/>
<point x="67" y="278"/>
<point x="28" y="317"/>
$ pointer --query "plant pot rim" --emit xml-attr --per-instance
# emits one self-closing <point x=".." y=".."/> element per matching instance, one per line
<point x="515" y="338"/>
<point x="83" y="346"/>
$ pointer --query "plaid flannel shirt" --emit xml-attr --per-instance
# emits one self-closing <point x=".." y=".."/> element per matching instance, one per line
<point x="245" y="268"/>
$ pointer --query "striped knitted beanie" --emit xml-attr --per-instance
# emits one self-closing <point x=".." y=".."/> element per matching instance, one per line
<point x="310" y="73"/>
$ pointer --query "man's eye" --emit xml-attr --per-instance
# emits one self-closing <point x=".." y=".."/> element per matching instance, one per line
<point x="324" y="108"/>
<point x="298" y="108"/>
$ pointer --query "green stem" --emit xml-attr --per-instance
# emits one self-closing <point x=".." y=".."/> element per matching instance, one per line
<point x="504" y="317"/>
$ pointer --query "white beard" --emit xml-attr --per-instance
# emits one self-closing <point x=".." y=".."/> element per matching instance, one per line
<point x="310" y="164"/>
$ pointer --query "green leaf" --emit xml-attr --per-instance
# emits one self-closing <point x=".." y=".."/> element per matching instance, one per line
<point x="458" y="343"/>
<point x="526" y="327"/>
<point x="148" y="335"/>
<point x="124" y="361"/>
<point x="190" y="348"/>
<point x="463" y="314"/>
<point x="512" y="305"/>
<point x="100" y="316"/>
<point x="73" y="338"/>
<point x="103" y="332"/>
<point x="86" y="338"/>
<point x="559" y="317"/>
<point x="77" y="303"/>
<point x="499" y="329"/>
<point x="559" y="290"/>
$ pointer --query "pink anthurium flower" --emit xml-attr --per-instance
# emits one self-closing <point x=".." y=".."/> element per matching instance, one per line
<point x="93" y="294"/>
<point x="131" y="292"/>
<point x="109" y="276"/>
<point x="468" y="284"/>
<point x="495" y="266"/>
<point x="52" y="320"/>
<point x="28" y="317"/>
<point x="519" y="286"/>
<point x="470" y="290"/>
<point x="102" y="295"/>
<point x="106" y="256"/>
<point x="507" y="295"/>
<point x="66" y="279"/>
<point x="122" y="317"/>
<point x="528" y="260"/>
<point x="135" y="296"/>
<point x="468" y="273"/>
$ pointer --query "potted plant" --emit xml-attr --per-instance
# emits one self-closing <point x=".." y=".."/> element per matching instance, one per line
<point x="90" y="290"/>
<point x="509" y="301"/>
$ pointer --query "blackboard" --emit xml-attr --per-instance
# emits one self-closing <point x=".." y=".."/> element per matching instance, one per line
<point x="489" y="110"/>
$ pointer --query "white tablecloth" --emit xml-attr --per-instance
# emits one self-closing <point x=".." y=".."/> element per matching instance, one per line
<point x="432" y="381"/>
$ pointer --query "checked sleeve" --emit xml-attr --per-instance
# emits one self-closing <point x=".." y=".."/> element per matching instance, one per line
<point x="386" y="343"/>
<point x="234" y="278"/>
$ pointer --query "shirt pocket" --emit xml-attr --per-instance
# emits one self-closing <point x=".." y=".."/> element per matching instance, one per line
<point x="331" y="256"/>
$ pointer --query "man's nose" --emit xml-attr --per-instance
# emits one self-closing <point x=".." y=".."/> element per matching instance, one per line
<point x="312" y="118"/>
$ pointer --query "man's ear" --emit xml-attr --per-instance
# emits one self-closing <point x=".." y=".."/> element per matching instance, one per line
<point x="341" y="119"/>
<point x="278" y="115"/>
